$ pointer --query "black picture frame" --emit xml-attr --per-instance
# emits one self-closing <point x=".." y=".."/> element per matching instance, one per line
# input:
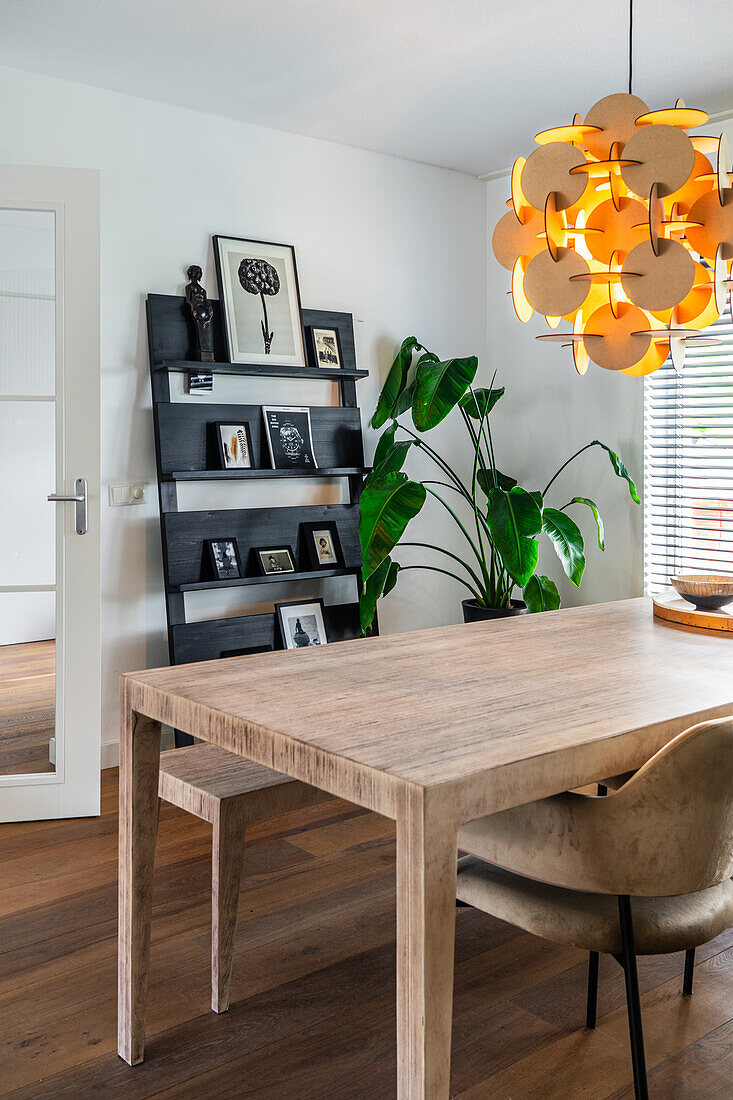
<point x="217" y="572"/>
<point x="286" y="611"/>
<point x="226" y="300"/>
<point x="310" y="534"/>
<point x="312" y="346"/>
<point x="260" y="551"/>
<point x="218" y="425"/>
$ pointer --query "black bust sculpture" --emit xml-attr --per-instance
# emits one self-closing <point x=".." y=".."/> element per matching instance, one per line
<point x="202" y="312"/>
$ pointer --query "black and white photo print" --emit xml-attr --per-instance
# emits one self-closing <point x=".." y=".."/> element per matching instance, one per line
<point x="258" y="285"/>
<point x="324" y="347"/>
<point x="275" y="559"/>
<point x="224" y="559"/>
<point x="302" y="624"/>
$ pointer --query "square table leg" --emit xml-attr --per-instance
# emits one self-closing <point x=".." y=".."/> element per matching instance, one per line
<point x="427" y="853"/>
<point x="138" y="827"/>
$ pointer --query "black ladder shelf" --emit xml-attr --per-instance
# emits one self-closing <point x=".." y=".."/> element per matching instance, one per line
<point x="186" y="451"/>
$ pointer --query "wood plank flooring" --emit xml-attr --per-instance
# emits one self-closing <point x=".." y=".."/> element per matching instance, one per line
<point x="313" y="1013"/>
<point x="27" y="702"/>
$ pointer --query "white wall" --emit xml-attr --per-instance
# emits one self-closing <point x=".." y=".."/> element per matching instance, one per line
<point x="400" y="245"/>
<point x="549" y="412"/>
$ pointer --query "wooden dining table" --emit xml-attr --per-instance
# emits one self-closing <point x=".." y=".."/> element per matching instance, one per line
<point x="432" y="729"/>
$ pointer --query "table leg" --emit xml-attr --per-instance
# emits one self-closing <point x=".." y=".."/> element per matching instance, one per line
<point x="139" y="769"/>
<point x="427" y="852"/>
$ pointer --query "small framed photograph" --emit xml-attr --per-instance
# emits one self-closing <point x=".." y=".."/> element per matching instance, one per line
<point x="322" y="545"/>
<point x="324" y="347"/>
<point x="302" y="623"/>
<point x="289" y="438"/>
<point x="260" y="297"/>
<point x="235" y="446"/>
<point x="224" y="561"/>
<point x="272" y="560"/>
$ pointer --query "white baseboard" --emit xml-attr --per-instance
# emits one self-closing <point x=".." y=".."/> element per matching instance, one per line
<point x="111" y="749"/>
<point x="110" y="755"/>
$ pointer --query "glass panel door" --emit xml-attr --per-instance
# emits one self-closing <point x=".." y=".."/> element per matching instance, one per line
<point x="28" y="472"/>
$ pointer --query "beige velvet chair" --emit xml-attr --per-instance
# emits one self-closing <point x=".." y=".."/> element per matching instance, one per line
<point x="567" y="867"/>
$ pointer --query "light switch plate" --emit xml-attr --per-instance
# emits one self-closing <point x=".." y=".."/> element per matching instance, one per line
<point x="131" y="493"/>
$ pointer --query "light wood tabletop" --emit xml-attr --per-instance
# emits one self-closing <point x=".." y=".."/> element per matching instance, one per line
<point x="433" y="729"/>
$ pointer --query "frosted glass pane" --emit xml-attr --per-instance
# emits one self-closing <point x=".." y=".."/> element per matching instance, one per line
<point x="27" y="248"/>
<point x="27" y="346"/>
<point x="27" y="476"/>
<point x="27" y="305"/>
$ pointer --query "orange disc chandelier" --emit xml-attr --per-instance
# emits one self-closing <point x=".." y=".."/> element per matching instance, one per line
<point x="620" y="225"/>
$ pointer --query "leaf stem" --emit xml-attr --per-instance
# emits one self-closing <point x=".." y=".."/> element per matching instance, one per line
<point x="549" y="483"/>
<point x="448" y="508"/>
<point x="436" y="569"/>
<point x="440" y="550"/>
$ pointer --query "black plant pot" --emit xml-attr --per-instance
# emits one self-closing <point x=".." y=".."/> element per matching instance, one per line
<point x="473" y="612"/>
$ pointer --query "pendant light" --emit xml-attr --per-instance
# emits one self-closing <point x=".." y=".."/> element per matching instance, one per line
<point x="620" y="226"/>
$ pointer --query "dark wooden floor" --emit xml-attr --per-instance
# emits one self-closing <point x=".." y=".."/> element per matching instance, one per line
<point x="27" y="702"/>
<point x="313" y="994"/>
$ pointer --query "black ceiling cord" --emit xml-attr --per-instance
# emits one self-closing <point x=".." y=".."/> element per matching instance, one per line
<point x="631" y="40"/>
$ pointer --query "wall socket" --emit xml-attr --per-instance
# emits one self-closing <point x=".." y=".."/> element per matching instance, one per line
<point x="131" y="493"/>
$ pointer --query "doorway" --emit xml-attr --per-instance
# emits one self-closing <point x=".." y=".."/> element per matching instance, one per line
<point x="49" y="447"/>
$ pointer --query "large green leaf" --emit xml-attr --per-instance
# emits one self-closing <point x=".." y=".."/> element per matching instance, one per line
<point x="385" y="443"/>
<point x="404" y="401"/>
<point x="389" y="456"/>
<point x="479" y="403"/>
<point x="438" y="389"/>
<point x="373" y="589"/>
<point x="391" y="580"/>
<point x="596" y="514"/>
<point x="619" y="468"/>
<point x="386" y="507"/>
<point x="514" y="517"/>
<point x="381" y="583"/>
<point x="395" y="382"/>
<point x="486" y="480"/>
<point x="541" y="594"/>
<point x="567" y="539"/>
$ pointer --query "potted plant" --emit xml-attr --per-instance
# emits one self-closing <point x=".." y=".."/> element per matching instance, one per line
<point x="500" y="521"/>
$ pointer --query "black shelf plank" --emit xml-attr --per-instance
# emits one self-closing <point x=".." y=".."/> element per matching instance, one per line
<point x="244" y="475"/>
<point x="184" y="535"/>
<point x="276" y="578"/>
<point x="188" y="443"/>
<point x="261" y="370"/>
<point x="209" y="639"/>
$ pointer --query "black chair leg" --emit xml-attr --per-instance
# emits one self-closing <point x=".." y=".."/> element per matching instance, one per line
<point x="689" y="971"/>
<point x="636" y="1035"/>
<point x="590" y="1014"/>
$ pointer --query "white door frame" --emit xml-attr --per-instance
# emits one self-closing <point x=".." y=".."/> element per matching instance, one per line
<point x="73" y="790"/>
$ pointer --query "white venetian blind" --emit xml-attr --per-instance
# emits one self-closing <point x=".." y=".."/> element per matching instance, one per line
<point x="688" y="463"/>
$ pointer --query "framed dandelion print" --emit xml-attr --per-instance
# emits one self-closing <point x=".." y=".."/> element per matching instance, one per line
<point x="260" y="297"/>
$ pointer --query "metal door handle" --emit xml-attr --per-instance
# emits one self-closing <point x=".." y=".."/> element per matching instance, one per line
<point x="79" y="499"/>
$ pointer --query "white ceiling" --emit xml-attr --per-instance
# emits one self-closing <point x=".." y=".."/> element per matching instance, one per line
<point x="460" y="83"/>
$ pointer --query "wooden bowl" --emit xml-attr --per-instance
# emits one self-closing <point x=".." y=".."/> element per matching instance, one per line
<point x="707" y="591"/>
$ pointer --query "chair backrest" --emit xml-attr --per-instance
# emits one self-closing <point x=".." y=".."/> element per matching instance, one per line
<point x="672" y="822"/>
<point x="667" y="831"/>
